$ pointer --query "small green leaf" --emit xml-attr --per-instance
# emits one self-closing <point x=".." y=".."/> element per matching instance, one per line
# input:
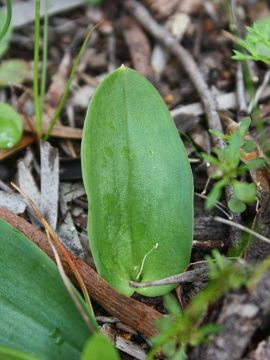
<point x="169" y="348"/>
<point x="209" y="158"/>
<point x="244" y="191"/>
<point x="213" y="197"/>
<point x="244" y="125"/>
<point x="218" y="258"/>
<point x="181" y="354"/>
<point x="97" y="348"/>
<point x="255" y="164"/>
<point x="236" y="205"/>
<point x="171" y="304"/>
<point x="256" y="43"/>
<point x="249" y="146"/>
<point x="240" y="56"/>
<point x="13" y="72"/>
<point x="235" y="144"/>
<point x="11" y="126"/>
<point x="218" y="134"/>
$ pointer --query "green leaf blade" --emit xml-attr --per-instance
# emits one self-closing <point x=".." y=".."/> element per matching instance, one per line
<point x="37" y="314"/>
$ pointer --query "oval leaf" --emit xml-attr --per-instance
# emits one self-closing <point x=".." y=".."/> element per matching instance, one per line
<point x="13" y="72"/>
<point x="236" y="205"/>
<point x="139" y="185"/>
<point x="244" y="191"/>
<point x="37" y="314"/>
<point x="11" y="126"/>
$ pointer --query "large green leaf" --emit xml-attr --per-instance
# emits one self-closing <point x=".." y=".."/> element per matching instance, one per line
<point x="37" y="315"/>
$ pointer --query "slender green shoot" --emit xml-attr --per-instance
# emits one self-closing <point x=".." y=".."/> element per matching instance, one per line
<point x="69" y="82"/>
<point x="4" y="30"/>
<point x="44" y="56"/>
<point x="36" y="77"/>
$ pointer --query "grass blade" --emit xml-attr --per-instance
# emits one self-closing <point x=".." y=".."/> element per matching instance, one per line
<point x="69" y="82"/>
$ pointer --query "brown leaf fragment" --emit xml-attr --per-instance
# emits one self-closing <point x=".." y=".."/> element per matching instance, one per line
<point x="59" y="131"/>
<point x="190" y="6"/>
<point x="138" y="45"/>
<point x="201" y="138"/>
<point x="161" y="9"/>
<point x="58" y="84"/>
<point x="131" y="312"/>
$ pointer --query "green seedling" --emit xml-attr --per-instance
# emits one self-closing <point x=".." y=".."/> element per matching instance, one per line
<point x="180" y="328"/>
<point x="228" y="167"/>
<point x="256" y="43"/>
<point x="139" y="185"/>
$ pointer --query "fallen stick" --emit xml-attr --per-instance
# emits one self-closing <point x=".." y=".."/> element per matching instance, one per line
<point x="131" y="312"/>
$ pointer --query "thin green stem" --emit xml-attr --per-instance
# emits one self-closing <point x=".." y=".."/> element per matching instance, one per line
<point x="69" y="82"/>
<point x="4" y="30"/>
<point x="36" y="62"/>
<point x="44" y="57"/>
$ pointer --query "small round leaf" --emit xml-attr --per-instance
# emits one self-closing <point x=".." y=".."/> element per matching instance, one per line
<point x="236" y="205"/>
<point x="244" y="191"/>
<point x="11" y="126"/>
<point x="13" y="72"/>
